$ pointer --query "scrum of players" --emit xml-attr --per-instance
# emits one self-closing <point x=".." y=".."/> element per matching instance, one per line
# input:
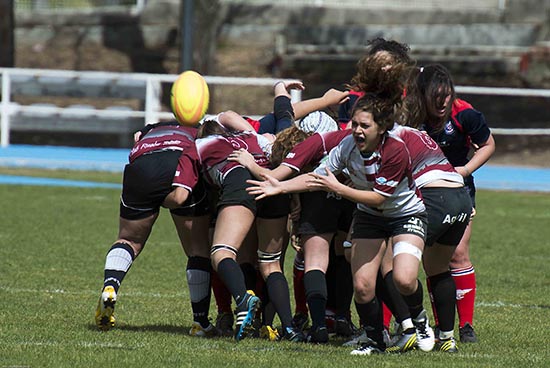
<point x="364" y="199"/>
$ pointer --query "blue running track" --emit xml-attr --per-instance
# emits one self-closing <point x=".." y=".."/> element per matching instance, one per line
<point x="113" y="160"/>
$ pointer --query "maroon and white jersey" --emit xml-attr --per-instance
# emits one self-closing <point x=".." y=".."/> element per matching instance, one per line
<point x="214" y="150"/>
<point x="172" y="137"/>
<point x="164" y="137"/>
<point x="428" y="160"/>
<point x="386" y="171"/>
<point x="188" y="170"/>
<point x="312" y="150"/>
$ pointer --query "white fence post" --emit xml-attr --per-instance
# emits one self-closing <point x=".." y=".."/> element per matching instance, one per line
<point x="295" y="95"/>
<point x="152" y="101"/>
<point x="5" y="114"/>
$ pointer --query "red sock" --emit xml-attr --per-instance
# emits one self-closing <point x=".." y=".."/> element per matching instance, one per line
<point x="429" y="286"/>
<point x="299" y="290"/>
<point x="386" y="313"/>
<point x="222" y="295"/>
<point x="465" y="280"/>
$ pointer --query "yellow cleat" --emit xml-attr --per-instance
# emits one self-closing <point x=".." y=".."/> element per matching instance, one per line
<point x="105" y="311"/>
<point x="269" y="333"/>
<point x="198" y="331"/>
<point x="447" y="345"/>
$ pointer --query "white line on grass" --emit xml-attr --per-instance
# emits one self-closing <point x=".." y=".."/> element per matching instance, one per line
<point x="89" y="292"/>
<point x="482" y="304"/>
<point x="81" y="344"/>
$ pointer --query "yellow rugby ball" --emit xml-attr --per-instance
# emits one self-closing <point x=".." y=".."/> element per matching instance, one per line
<point x="189" y="98"/>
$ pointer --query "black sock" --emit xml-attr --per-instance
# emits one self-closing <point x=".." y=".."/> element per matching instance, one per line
<point x="339" y="286"/>
<point x="277" y="287"/>
<point x="371" y="315"/>
<point x="118" y="261"/>
<point x="414" y="301"/>
<point x="250" y="275"/>
<point x="393" y="299"/>
<point x="316" y="296"/>
<point x="232" y="276"/>
<point x="444" y="299"/>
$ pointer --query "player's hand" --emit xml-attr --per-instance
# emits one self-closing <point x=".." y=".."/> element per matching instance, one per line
<point x="266" y="188"/>
<point x="243" y="157"/>
<point x="137" y="136"/>
<point x="335" y="97"/>
<point x="294" y="85"/>
<point x="295" y="240"/>
<point x="328" y="182"/>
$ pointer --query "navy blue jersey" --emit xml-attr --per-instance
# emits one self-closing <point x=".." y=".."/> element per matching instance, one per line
<point x="466" y="126"/>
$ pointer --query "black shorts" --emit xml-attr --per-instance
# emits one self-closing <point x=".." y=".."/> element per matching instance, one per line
<point x="449" y="211"/>
<point x="470" y="188"/>
<point x="197" y="204"/>
<point x="367" y="226"/>
<point x="274" y="207"/>
<point x="323" y="212"/>
<point x="146" y="183"/>
<point x="233" y="190"/>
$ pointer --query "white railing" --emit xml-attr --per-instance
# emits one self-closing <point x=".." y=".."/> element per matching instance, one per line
<point x="143" y="86"/>
<point x="385" y="4"/>
<point x="519" y="92"/>
<point x="147" y="87"/>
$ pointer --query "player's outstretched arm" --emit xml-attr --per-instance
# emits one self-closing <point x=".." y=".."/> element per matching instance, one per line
<point x="271" y="186"/>
<point x="330" y="98"/>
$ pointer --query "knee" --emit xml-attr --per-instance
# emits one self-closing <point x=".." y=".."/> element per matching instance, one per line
<point x="406" y="284"/>
<point x="461" y="258"/>
<point x="364" y="291"/>
<point x="219" y="252"/>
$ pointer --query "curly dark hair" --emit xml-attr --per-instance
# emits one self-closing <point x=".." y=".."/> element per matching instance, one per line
<point x="383" y="110"/>
<point x="381" y="75"/>
<point x="400" y="51"/>
<point x="284" y="142"/>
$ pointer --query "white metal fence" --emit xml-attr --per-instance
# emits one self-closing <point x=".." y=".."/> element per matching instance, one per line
<point x="386" y="4"/>
<point x="40" y="5"/>
<point x="146" y="87"/>
<point x="23" y="5"/>
<point x="90" y="84"/>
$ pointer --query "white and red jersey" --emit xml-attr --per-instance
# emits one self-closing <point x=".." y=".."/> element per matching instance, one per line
<point x="312" y="150"/>
<point x="428" y="160"/>
<point x="214" y="150"/>
<point x="386" y="171"/>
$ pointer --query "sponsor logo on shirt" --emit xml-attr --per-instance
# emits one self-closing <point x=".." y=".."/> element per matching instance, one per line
<point x="449" y="129"/>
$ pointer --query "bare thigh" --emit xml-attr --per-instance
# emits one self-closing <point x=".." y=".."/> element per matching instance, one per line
<point x="136" y="232"/>
<point x="194" y="234"/>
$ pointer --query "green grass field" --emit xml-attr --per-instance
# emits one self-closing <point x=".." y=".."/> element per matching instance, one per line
<point x="52" y="247"/>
